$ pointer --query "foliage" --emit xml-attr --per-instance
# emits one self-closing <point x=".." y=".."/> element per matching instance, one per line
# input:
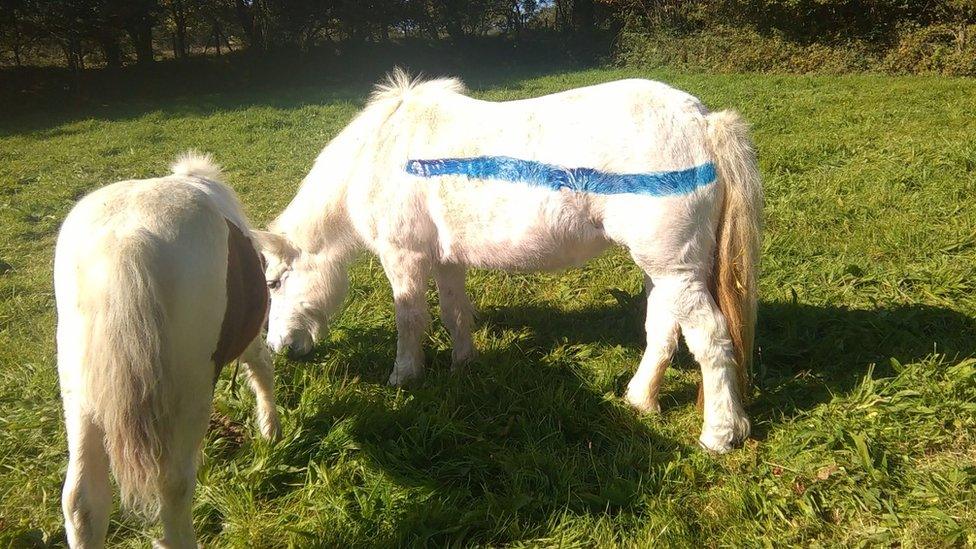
<point x="800" y="36"/>
<point x="731" y="49"/>
<point x="151" y="28"/>
<point x="938" y="49"/>
<point x="934" y="49"/>
<point x="863" y="412"/>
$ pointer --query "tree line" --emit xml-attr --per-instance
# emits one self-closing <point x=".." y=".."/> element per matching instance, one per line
<point x="800" y="20"/>
<point x="117" y="32"/>
<point x="80" y="33"/>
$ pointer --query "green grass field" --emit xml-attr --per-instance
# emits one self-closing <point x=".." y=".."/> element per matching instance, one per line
<point x="864" y="408"/>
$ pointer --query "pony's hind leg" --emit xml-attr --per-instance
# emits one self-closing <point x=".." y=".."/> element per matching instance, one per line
<point x="457" y="314"/>
<point x="178" y="471"/>
<point x="87" y="496"/>
<point x="176" y="503"/>
<point x="408" y="272"/>
<point x="260" y="373"/>
<point x="703" y="325"/>
<point x="662" y="340"/>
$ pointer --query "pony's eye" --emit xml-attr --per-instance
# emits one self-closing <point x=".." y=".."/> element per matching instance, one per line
<point x="274" y="284"/>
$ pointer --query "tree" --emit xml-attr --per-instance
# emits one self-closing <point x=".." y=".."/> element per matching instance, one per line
<point x="104" y="28"/>
<point x="65" y="23"/>
<point x="179" y="13"/>
<point x="516" y="13"/>
<point x="138" y="19"/>
<point x="249" y="16"/>
<point x="583" y="16"/>
<point x="15" y="29"/>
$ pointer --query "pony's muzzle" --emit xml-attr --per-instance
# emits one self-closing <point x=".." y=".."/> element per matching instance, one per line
<point x="299" y="352"/>
<point x="296" y="345"/>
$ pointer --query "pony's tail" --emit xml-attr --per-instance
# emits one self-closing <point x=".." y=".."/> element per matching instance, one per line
<point x="126" y="359"/>
<point x="739" y="238"/>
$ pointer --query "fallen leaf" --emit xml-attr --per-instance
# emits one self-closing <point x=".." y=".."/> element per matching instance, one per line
<point x="825" y="472"/>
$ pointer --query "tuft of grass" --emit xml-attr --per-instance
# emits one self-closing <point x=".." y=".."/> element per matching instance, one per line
<point x="865" y="401"/>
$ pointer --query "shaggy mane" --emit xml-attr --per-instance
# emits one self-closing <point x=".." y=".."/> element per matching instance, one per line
<point x="194" y="164"/>
<point x="400" y="84"/>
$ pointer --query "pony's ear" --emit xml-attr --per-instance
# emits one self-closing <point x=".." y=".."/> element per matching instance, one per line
<point x="276" y="245"/>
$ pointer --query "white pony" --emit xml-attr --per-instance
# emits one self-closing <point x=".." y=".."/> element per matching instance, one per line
<point x="158" y="286"/>
<point x="434" y="182"/>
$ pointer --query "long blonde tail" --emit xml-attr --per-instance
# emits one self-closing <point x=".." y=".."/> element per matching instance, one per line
<point x="125" y="371"/>
<point x="739" y="234"/>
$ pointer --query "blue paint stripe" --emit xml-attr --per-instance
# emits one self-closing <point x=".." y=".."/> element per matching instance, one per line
<point x="554" y="177"/>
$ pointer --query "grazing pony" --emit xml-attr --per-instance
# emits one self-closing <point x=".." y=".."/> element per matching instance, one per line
<point x="433" y="182"/>
<point x="158" y="286"/>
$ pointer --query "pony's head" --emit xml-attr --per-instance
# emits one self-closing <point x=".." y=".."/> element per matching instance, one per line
<point x="305" y="288"/>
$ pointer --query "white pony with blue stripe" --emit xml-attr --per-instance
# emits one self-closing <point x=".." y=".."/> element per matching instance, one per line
<point x="434" y="182"/>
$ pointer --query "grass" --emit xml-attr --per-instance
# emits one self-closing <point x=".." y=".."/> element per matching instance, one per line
<point x="864" y="410"/>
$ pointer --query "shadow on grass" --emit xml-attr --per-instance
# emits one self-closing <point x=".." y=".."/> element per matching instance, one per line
<point x="504" y="443"/>
<point x="497" y="452"/>
<point x="40" y="100"/>
<point x="809" y="353"/>
<point x="494" y="451"/>
<point x="805" y="353"/>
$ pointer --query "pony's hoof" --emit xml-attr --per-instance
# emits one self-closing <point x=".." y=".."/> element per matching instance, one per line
<point x="459" y="360"/>
<point x="643" y="402"/>
<point x="724" y="440"/>
<point x="163" y="544"/>
<point x="402" y="376"/>
<point x="714" y="447"/>
<point x="271" y="430"/>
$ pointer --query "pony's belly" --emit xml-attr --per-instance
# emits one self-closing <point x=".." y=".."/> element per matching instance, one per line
<point x="529" y="229"/>
<point x="529" y="255"/>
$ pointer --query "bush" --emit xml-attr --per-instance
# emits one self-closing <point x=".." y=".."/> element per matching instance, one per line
<point x="936" y="49"/>
<point x="730" y="49"/>
<point x="801" y="36"/>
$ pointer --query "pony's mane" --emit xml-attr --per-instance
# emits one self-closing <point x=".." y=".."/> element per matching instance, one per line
<point x="194" y="164"/>
<point x="399" y="85"/>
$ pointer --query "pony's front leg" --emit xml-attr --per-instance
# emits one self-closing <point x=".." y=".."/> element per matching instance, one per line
<point x="260" y="374"/>
<point x="457" y="314"/>
<point x="408" y="272"/>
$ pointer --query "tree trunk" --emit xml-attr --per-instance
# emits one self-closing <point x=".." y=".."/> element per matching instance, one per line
<point x="180" y="48"/>
<point x="219" y="36"/>
<point x="69" y="58"/>
<point x="111" y="50"/>
<point x="215" y="33"/>
<point x="583" y="15"/>
<point x="16" y="31"/>
<point x="515" y="20"/>
<point x="454" y="29"/>
<point x="140" y="32"/>
<point x="73" y="54"/>
<point x="245" y="16"/>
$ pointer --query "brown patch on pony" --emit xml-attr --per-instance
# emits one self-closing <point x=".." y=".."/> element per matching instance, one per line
<point x="247" y="298"/>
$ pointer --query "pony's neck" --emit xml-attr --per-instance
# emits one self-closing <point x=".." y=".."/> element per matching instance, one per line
<point x="317" y="219"/>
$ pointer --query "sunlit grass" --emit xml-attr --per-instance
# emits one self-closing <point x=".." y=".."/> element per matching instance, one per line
<point x="865" y="405"/>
